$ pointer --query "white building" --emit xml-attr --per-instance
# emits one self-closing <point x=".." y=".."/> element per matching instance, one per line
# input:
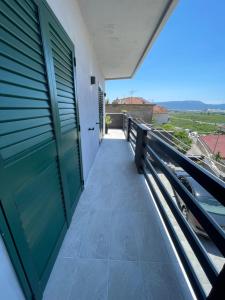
<point x="55" y="58"/>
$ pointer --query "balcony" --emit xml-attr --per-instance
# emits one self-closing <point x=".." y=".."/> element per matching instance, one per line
<point x="116" y="246"/>
<point x="125" y="241"/>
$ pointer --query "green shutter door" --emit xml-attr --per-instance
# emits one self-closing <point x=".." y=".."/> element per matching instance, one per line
<point x="100" y="112"/>
<point x="31" y="195"/>
<point x="61" y="65"/>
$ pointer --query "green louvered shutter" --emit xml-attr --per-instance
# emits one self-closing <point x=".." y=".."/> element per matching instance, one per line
<point x="100" y="112"/>
<point x="61" y="63"/>
<point x="31" y="194"/>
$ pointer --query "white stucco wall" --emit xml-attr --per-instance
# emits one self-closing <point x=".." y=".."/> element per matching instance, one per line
<point x="161" y="118"/>
<point x="9" y="285"/>
<point x="69" y="15"/>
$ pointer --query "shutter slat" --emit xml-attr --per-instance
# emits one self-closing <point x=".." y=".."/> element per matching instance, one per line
<point x="31" y="4"/>
<point x="8" y="127"/>
<point x="64" y="88"/>
<point x="14" y="31"/>
<point x="17" y="9"/>
<point x="16" y="55"/>
<point x="68" y="122"/>
<point x="27" y="10"/>
<point x="15" y="138"/>
<point x="20" y="22"/>
<point x="64" y="100"/>
<point x="60" y="74"/>
<point x="18" y="68"/>
<point x="66" y="105"/>
<point x="61" y="93"/>
<point x="54" y="36"/>
<point x="66" y="111"/>
<point x="63" y="66"/>
<point x="11" y="77"/>
<point x="66" y="117"/>
<point x="67" y="128"/>
<point x="12" y="40"/>
<point x="18" y="114"/>
<point x="63" y="82"/>
<point x="28" y="144"/>
<point x="62" y="61"/>
<point x="9" y="102"/>
<point x="17" y="91"/>
<point x="57" y="47"/>
<point x="25" y="115"/>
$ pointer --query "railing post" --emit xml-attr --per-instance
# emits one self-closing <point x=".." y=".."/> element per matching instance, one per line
<point x="217" y="291"/>
<point x="142" y="132"/>
<point x="128" y="128"/>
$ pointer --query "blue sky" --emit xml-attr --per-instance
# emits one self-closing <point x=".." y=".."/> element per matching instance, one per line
<point x="186" y="62"/>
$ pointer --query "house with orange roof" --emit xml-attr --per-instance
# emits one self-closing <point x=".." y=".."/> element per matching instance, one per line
<point x="160" y="114"/>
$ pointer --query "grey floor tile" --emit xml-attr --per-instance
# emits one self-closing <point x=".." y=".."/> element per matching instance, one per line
<point x="97" y="238"/>
<point x="90" y="280"/>
<point x="75" y="234"/>
<point x="162" y="282"/>
<point x="125" y="281"/>
<point x="115" y="247"/>
<point x="97" y="196"/>
<point x="61" y="280"/>
<point x="151" y="245"/>
<point x="129" y="200"/>
<point x="123" y="244"/>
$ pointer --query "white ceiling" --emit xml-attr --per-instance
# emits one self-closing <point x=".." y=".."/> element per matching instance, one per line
<point x="122" y="31"/>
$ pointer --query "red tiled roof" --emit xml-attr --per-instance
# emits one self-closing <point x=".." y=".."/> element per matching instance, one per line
<point x="131" y="100"/>
<point x="159" y="109"/>
<point x="216" y="143"/>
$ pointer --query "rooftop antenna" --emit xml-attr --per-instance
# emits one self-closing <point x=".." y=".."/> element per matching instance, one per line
<point x="132" y="93"/>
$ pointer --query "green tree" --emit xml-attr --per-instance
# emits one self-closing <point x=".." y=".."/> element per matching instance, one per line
<point x="218" y="156"/>
<point x="168" y="127"/>
<point x="184" y="143"/>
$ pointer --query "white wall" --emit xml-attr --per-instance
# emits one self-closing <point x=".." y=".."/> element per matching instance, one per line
<point x="69" y="15"/>
<point x="161" y="118"/>
<point x="9" y="285"/>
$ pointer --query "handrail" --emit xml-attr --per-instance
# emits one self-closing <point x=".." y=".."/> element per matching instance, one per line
<point x="191" y="237"/>
<point x="146" y="158"/>
<point x="181" y="252"/>
<point x="211" y="183"/>
<point x="160" y="130"/>
<point x="173" y="138"/>
<point x="212" y="228"/>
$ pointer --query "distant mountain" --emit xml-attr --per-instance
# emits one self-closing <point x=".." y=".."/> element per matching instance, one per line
<point x="190" y="105"/>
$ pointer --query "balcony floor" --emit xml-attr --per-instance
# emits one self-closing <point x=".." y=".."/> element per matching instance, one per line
<point x="116" y="247"/>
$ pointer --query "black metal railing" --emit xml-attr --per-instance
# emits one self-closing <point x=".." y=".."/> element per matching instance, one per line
<point x="116" y="120"/>
<point x="151" y="155"/>
<point x="131" y="132"/>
